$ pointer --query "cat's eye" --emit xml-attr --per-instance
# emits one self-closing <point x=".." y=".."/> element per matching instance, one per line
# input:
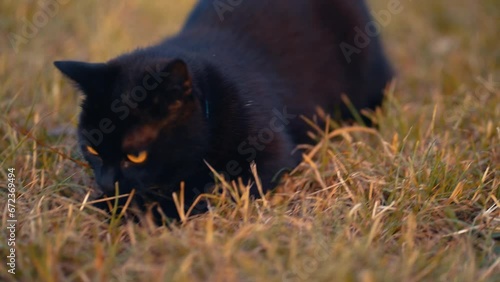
<point x="138" y="158"/>
<point x="92" y="151"/>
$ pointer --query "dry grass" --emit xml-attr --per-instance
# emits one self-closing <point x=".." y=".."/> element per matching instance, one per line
<point x="417" y="200"/>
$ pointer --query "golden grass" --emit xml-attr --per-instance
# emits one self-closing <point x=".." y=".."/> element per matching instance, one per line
<point x="416" y="200"/>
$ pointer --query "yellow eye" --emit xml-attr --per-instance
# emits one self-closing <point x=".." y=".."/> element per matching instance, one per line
<point x="92" y="151"/>
<point x="139" y="158"/>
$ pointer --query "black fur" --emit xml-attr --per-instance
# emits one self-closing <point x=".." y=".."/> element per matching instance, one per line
<point x="227" y="90"/>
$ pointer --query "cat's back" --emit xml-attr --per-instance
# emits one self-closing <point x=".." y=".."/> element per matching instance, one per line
<point x="272" y="21"/>
<point x="303" y="41"/>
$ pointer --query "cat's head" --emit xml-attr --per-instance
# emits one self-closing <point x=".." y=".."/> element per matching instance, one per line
<point x="142" y="124"/>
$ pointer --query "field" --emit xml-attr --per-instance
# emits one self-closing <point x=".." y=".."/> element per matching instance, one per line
<point x="418" y="199"/>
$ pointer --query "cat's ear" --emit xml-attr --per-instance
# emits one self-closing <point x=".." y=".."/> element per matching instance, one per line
<point x="90" y="77"/>
<point x="179" y="76"/>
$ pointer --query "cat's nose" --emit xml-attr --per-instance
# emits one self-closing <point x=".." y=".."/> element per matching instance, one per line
<point x="106" y="180"/>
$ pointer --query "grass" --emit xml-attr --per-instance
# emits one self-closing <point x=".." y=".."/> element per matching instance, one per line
<point x="416" y="200"/>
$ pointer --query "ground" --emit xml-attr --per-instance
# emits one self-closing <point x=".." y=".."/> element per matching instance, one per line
<point x="415" y="200"/>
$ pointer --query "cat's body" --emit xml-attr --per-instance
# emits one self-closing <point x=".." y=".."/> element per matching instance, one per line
<point x="227" y="90"/>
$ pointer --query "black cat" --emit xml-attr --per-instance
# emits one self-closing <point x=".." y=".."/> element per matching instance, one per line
<point x="227" y="90"/>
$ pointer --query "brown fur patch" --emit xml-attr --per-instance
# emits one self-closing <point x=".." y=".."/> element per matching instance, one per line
<point x="188" y="87"/>
<point x="140" y="137"/>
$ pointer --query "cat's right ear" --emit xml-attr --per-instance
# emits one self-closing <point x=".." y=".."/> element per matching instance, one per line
<point x="90" y="77"/>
